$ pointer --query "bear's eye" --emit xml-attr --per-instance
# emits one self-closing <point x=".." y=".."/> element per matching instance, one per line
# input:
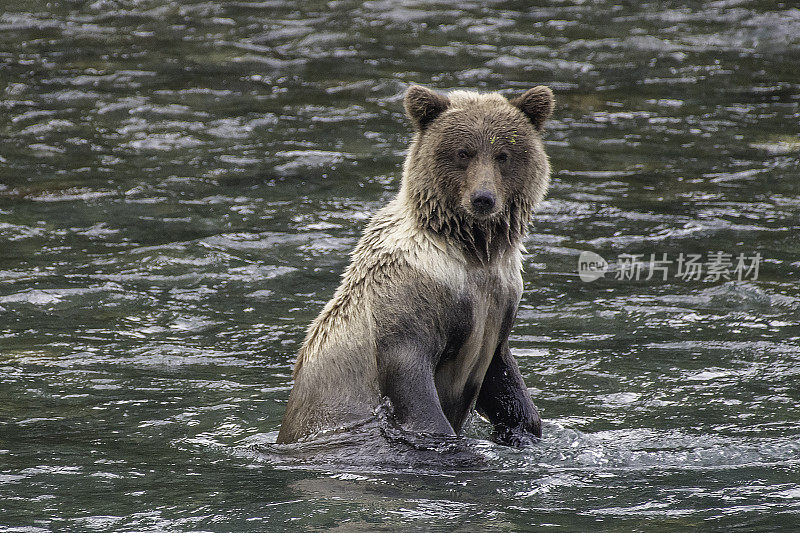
<point x="462" y="155"/>
<point x="502" y="157"/>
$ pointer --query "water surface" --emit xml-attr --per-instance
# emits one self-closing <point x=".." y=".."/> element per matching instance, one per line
<point x="181" y="183"/>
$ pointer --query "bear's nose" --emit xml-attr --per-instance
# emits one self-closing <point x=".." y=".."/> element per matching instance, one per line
<point x="483" y="201"/>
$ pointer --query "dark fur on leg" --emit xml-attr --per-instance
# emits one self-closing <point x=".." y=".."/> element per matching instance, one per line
<point x="504" y="400"/>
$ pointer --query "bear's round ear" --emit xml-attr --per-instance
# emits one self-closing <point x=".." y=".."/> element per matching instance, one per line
<point x="423" y="106"/>
<point x="537" y="104"/>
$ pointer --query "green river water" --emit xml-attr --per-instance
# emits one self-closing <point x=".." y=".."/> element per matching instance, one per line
<point x="180" y="186"/>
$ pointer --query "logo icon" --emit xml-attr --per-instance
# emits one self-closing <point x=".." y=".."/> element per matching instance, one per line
<point x="591" y="266"/>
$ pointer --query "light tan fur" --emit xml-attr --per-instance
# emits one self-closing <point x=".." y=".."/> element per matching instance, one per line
<point x="392" y="242"/>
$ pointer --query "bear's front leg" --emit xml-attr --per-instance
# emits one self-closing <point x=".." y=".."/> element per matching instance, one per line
<point x="411" y="320"/>
<point x="505" y="401"/>
<point x="407" y="380"/>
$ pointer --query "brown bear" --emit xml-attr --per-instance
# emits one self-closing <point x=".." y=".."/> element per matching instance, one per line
<point x="424" y="309"/>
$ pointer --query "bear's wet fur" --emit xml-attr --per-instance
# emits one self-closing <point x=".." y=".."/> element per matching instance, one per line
<point x="424" y="309"/>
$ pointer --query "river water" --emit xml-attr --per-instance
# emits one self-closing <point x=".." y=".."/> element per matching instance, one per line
<point x="181" y="183"/>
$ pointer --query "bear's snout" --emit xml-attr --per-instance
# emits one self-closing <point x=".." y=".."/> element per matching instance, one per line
<point x="483" y="202"/>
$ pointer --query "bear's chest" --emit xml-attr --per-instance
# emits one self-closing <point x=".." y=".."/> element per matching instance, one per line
<point x="486" y="309"/>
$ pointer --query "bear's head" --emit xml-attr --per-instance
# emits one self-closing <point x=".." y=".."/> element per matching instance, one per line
<point x="477" y="166"/>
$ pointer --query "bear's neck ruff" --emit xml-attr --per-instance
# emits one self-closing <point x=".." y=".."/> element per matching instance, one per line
<point x="483" y="239"/>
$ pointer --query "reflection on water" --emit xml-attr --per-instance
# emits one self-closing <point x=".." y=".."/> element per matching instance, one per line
<point x="181" y="183"/>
